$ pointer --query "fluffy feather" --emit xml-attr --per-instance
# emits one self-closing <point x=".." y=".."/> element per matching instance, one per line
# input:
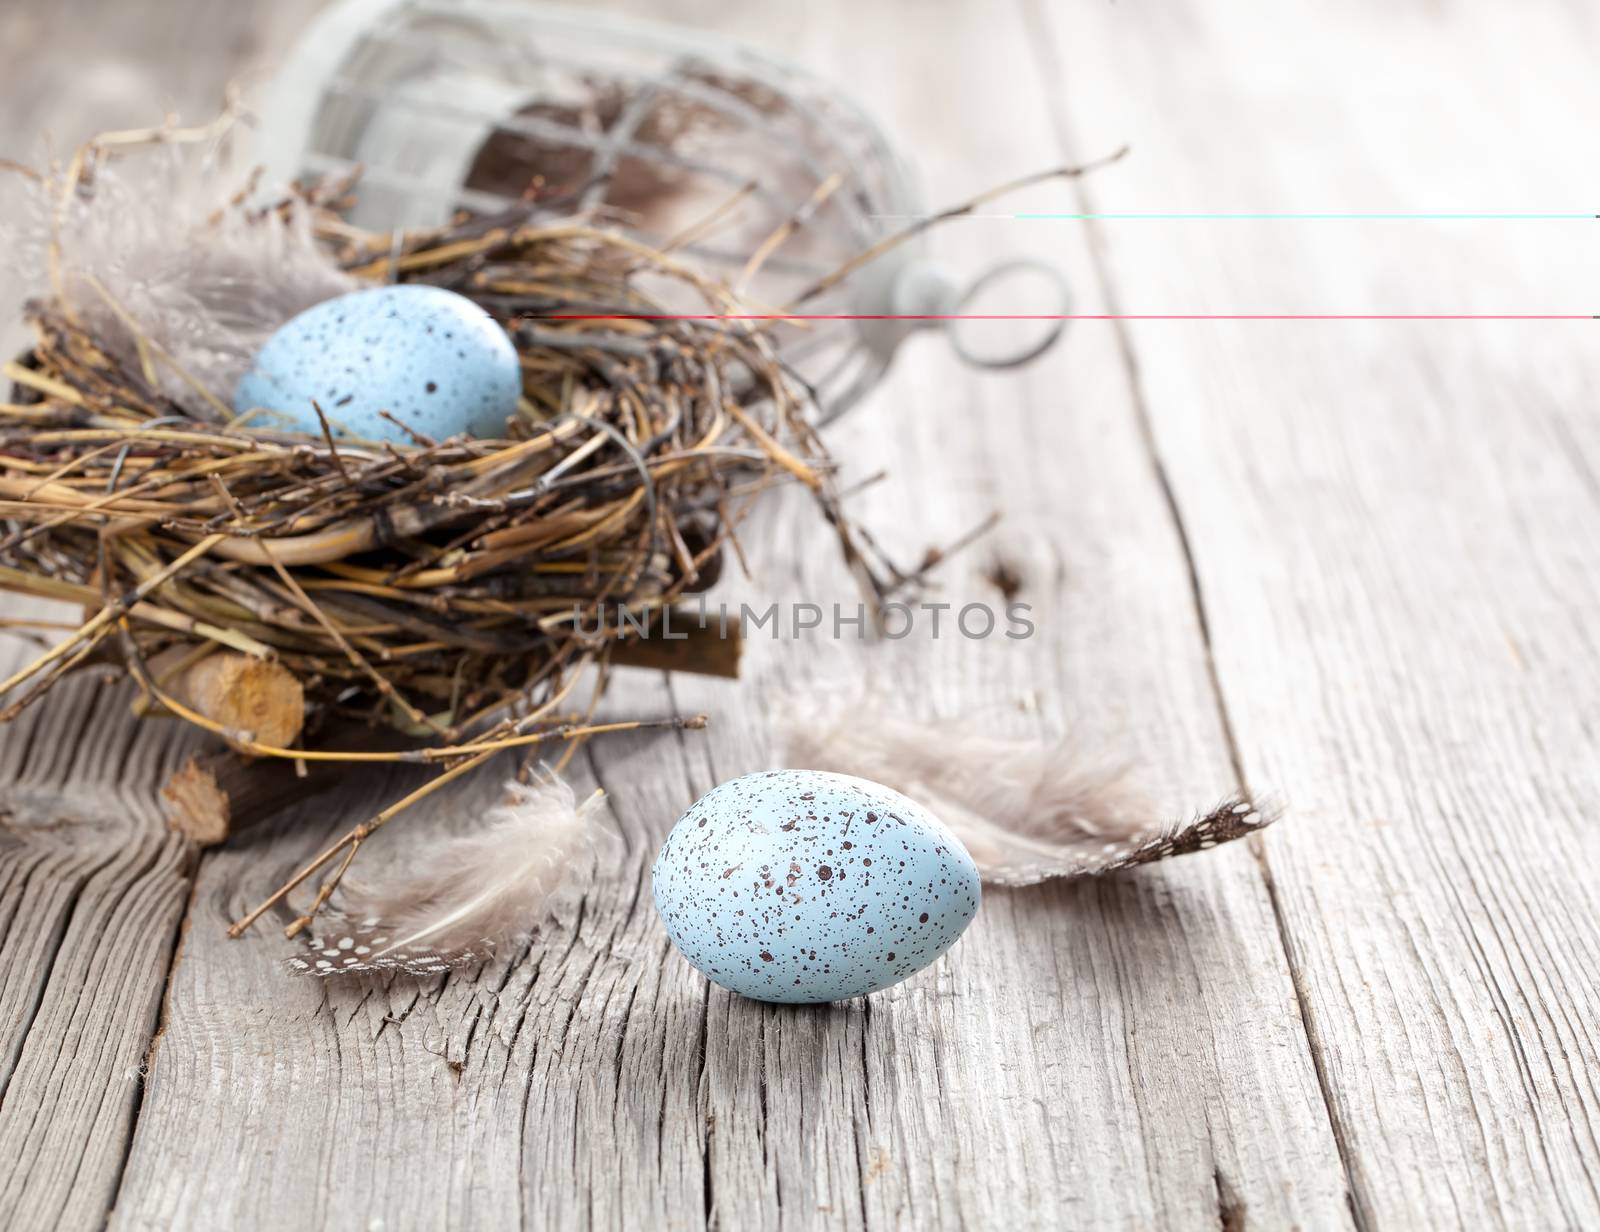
<point x="529" y="860"/>
<point x="151" y="245"/>
<point x="1027" y="810"/>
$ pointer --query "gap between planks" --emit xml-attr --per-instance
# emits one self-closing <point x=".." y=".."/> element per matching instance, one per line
<point x="1045" y="52"/>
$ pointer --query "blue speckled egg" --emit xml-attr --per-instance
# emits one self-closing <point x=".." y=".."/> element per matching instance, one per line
<point x="431" y="358"/>
<point x="801" y="886"/>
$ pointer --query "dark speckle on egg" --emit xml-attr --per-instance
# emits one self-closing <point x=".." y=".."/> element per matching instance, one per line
<point x="768" y="885"/>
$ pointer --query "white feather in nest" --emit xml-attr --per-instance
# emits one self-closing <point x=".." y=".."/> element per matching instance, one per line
<point x="1027" y="810"/>
<point x="528" y="861"/>
<point x="153" y="245"/>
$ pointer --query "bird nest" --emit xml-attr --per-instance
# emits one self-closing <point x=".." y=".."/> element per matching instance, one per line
<point x="445" y="588"/>
<point x="447" y="592"/>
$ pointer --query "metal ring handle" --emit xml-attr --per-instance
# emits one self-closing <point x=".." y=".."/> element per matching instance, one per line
<point x="987" y="279"/>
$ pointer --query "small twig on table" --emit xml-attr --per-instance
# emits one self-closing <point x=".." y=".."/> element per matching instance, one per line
<point x="324" y="891"/>
<point x="360" y="833"/>
<point x="356" y="836"/>
<point x="936" y="556"/>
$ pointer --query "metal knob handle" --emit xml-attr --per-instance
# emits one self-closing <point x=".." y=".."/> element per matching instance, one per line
<point x="925" y="294"/>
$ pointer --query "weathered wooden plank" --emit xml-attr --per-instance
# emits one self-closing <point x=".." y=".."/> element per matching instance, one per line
<point x="94" y="888"/>
<point x="91" y="886"/>
<point x="1065" y="1072"/>
<point x="1128" y="1053"/>
<point x="921" y="1107"/>
<point x="1394" y="531"/>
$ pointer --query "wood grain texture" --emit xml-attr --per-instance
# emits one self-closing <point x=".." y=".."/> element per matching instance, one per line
<point x="1393" y="531"/>
<point x="1354" y="561"/>
<point x="1126" y="1054"/>
<point x="93" y="891"/>
<point x="92" y="888"/>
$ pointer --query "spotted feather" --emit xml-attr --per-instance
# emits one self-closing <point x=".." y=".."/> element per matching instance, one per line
<point x="1027" y="810"/>
<point x="530" y="860"/>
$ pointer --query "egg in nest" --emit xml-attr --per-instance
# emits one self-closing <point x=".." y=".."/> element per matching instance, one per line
<point x="432" y="359"/>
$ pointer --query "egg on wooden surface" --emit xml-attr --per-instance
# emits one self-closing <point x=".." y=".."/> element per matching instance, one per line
<point x="431" y="358"/>
<point x="803" y="886"/>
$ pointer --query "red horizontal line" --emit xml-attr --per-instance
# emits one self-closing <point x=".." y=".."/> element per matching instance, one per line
<point x="1067" y="316"/>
